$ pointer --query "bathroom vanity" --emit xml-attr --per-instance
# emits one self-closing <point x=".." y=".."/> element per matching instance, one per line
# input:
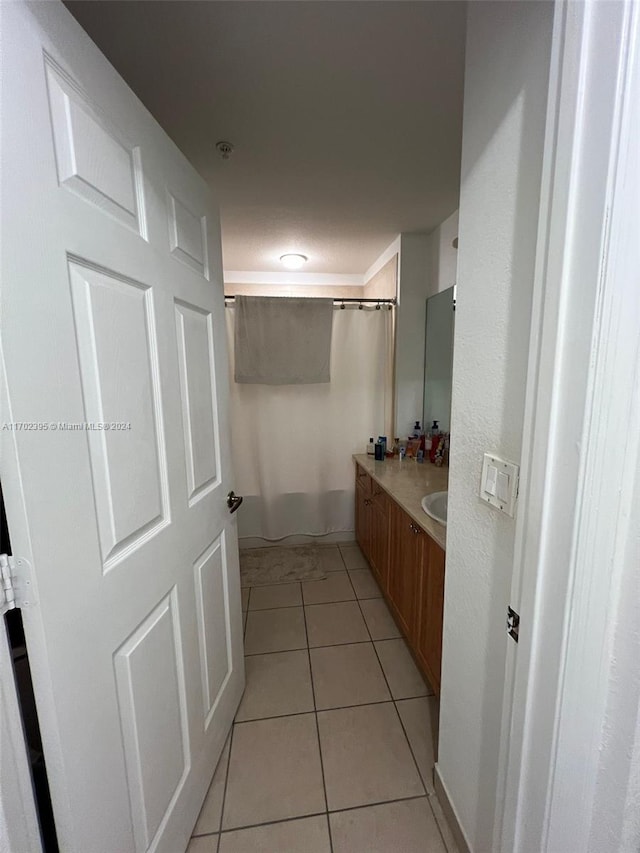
<point x="405" y="549"/>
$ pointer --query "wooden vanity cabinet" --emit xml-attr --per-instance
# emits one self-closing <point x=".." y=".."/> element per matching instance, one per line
<point x="409" y="567"/>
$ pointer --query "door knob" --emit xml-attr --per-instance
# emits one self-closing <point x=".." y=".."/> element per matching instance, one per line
<point x="234" y="501"/>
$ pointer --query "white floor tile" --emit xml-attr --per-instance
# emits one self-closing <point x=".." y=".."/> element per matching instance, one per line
<point x="276" y="595"/>
<point x="211" y="812"/>
<point x="347" y="675"/>
<point x="331" y="559"/>
<point x="275" y="631"/>
<point x="274" y="772"/>
<point x="380" y="622"/>
<point x="405" y="680"/>
<point x="330" y="624"/>
<point x="403" y="827"/>
<point x="204" y="844"/>
<point x="306" y="835"/>
<point x="366" y="757"/>
<point x="364" y="583"/>
<point x="336" y="587"/>
<point x="276" y="684"/>
<point x="353" y="556"/>
<point x="419" y="718"/>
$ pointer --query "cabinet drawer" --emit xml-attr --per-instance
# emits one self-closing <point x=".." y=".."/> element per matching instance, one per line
<point x="363" y="480"/>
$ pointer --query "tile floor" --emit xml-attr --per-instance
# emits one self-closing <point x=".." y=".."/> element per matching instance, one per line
<point x="332" y="747"/>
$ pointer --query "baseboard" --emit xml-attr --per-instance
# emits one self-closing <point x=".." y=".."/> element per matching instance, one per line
<point x="449" y="812"/>
<point x="299" y="539"/>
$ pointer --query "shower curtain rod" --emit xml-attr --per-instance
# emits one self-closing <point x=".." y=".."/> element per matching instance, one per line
<point x="339" y="302"/>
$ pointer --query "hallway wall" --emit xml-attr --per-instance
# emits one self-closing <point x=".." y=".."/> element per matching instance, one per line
<point x="506" y="83"/>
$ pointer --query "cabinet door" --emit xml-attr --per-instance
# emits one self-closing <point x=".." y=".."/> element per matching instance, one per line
<point x="428" y="643"/>
<point x="363" y="480"/>
<point x="405" y="555"/>
<point x="363" y="518"/>
<point x="379" y="519"/>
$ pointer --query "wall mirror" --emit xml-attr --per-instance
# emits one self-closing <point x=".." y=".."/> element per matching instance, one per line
<point x="438" y="359"/>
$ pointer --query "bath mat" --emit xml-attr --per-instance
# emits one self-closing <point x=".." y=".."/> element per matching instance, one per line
<point x="262" y="566"/>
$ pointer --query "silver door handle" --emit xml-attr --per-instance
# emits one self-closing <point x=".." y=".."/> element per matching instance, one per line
<point x="234" y="501"/>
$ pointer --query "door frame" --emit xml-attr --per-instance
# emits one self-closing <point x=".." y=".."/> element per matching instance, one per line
<point x="23" y="826"/>
<point x="17" y="796"/>
<point x="581" y="441"/>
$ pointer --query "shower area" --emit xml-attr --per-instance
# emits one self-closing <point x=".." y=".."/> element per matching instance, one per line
<point x="299" y="414"/>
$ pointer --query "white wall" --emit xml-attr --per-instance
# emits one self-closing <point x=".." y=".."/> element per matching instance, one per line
<point x="413" y="286"/>
<point x="507" y="62"/>
<point x="444" y="258"/>
<point x="615" y="821"/>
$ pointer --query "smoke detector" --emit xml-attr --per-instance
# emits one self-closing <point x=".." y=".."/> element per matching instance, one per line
<point x="224" y="149"/>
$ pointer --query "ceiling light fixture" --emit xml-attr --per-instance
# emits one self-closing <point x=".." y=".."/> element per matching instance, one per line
<point x="293" y="261"/>
<point x="224" y="149"/>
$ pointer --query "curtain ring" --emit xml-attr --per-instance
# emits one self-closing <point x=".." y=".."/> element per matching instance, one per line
<point x="378" y="306"/>
<point x="360" y="307"/>
<point x="342" y="306"/>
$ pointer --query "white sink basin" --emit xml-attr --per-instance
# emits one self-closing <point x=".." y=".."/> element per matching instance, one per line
<point x="435" y="505"/>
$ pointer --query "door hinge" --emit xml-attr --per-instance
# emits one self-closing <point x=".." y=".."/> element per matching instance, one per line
<point x="513" y="624"/>
<point x="14" y="582"/>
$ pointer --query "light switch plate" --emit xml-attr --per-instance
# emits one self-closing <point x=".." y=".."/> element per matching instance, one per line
<point x="499" y="483"/>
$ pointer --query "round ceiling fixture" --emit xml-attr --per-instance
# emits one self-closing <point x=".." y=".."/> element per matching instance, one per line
<point x="293" y="261"/>
<point x="224" y="149"/>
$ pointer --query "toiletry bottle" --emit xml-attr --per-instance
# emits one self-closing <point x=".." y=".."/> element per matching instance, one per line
<point x="379" y="452"/>
<point x="371" y="448"/>
<point x="383" y="441"/>
<point x="434" y="432"/>
<point x="417" y="429"/>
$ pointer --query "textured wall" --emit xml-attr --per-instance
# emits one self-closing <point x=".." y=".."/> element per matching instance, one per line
<point x="444" y="258"/>
<point x="384" y="284"/>
<point x="506" y="81"/>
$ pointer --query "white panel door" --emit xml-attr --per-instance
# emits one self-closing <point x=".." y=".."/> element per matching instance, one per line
<point x="113" y="318"/>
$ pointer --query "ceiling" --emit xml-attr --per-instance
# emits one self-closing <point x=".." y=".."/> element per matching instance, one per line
<point x="346" y="117"/>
